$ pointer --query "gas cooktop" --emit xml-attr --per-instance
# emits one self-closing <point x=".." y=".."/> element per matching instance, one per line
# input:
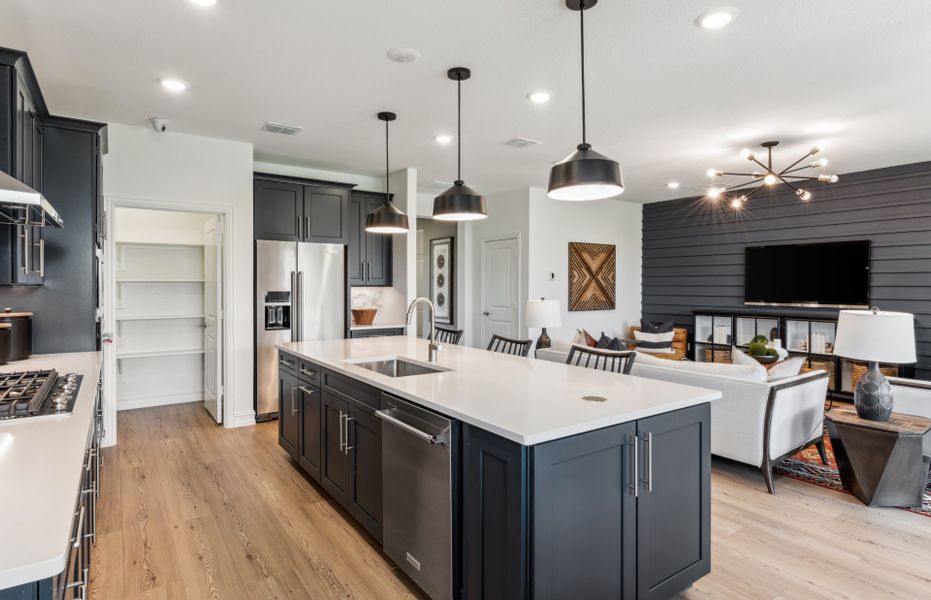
<point x="37" y="393"/>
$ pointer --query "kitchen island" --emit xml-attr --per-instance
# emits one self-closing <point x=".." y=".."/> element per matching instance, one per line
<point x="564" y="481"/>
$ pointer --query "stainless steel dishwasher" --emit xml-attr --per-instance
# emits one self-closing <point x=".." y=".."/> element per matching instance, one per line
<point x="419" y="458"/>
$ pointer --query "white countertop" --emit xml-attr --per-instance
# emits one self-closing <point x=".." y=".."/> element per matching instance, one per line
<point x="355" y="327"/>
<point x="522" y="399"/>
<point x="41" y="466"/>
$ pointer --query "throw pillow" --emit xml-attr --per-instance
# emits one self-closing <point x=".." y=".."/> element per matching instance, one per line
<point x="739" y="357"/>
<point x="607" y="343"/>
<point x="650" y="327"/>
<point x="657" y="343"/>
<point x="579" y="338"/>
<point x="589" y="340"/>
<point x="787" y="368"/>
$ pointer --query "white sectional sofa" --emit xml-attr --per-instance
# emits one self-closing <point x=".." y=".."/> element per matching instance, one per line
<point x="756" y="422"/>
<point x="911" y="397"/>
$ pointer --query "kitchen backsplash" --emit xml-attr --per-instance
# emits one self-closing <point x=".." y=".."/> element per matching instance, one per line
<point x="389" y="302"/>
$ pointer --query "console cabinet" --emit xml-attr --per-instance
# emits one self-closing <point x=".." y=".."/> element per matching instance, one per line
<point x="300" y="210"/>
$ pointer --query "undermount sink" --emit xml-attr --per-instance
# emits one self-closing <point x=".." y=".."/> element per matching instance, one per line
<point x="397" y="366"/>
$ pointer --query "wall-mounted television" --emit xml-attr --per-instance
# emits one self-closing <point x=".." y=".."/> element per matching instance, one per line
<point x="835" y="274"/>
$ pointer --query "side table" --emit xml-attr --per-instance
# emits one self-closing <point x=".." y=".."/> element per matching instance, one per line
<point x="883" y="463"/>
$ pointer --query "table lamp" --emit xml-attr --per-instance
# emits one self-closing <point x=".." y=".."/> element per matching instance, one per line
<point x="875" y="336"/>
<point x="543" y="313"/>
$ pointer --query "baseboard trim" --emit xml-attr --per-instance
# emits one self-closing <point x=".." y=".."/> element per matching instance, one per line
<point x="242" y="420"/>
<point x="152" y="401"/>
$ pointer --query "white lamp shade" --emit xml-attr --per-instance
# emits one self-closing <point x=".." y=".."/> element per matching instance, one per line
<point x="876" y="336"/>
<point x="543" y="313"/>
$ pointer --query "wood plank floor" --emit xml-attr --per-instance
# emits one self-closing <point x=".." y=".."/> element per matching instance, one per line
<point x="189" y="510"/>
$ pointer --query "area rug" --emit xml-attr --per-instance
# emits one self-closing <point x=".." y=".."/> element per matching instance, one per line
<point x="806" y="466"/>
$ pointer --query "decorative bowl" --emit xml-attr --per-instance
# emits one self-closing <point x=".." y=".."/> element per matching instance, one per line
<point x="363" y="316"/>
<point x="765" y="360"/>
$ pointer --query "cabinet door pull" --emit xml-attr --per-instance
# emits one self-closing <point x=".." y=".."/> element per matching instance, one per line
<point x="25" y="238"/>
<point x="306" y="227"/>
<point x="77" y="532"/>
<point x="42" y="258"/>
<point x="348" y="447"/>
<point x="310" y="374"/>
<point x="648" y="440"/>
<point x="306" y="390"/>
<point x="293" y="401"/>
<point x="636" y="461"/>
<point x="342" y="444"/>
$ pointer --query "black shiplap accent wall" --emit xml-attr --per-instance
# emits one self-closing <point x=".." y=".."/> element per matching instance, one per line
<point x="693" y="252"/>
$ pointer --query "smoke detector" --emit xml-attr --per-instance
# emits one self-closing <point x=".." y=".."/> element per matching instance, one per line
<point x="282" y="129"/>
<point x="403" y="55"/>
<point x="521" y="142"/>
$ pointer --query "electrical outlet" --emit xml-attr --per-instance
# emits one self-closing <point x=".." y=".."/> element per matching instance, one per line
<point x="552" y="276"/>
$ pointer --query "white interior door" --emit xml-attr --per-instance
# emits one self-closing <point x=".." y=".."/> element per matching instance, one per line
<point x="500" y="288"/>
<point x="423" y="289"/>
<point x="213" y="317"/>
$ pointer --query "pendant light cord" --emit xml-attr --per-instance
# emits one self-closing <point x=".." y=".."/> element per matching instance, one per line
<point x="387" y="168"/>
<point x="582" y="31"/>
<point x="459" y="128"/>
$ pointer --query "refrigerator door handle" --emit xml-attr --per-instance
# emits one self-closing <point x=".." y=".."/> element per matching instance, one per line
<point x="300" y="306"/>
<point x="294" y="308"/>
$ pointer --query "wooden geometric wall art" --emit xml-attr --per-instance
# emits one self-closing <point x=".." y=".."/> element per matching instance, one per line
<point x="592" y="275"/>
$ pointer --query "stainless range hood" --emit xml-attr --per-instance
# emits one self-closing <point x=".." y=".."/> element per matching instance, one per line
<point x="22" y="205"/>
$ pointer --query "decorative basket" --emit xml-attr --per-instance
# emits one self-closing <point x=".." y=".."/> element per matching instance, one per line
<point x="722" y="356"/>
<point x="363" y="316"/>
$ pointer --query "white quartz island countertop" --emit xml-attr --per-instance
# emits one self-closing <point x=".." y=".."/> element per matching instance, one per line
<point x="522" y="399"/>
<point x="41" y="467"/>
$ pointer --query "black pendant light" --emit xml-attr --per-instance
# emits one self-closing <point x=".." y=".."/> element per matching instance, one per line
<point x="387" y="218"/>
<point x="460" y="202"/>
<point x="584" y="174"/>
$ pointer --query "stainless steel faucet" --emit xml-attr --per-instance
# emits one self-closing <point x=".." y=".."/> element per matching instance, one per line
<point x="434" y="347"/>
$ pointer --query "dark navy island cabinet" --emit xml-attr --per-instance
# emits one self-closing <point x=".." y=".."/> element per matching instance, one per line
<point x="621" y="512"/>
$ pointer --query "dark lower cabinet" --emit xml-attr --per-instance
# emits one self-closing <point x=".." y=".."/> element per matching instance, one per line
<point x="288" y="413"/>
<point x="367" y="333"/>
<point x="334" y="462"/>
<point x="310" y="430"/>
<point x="621" y="512"/>
<point x="365" y="497"/>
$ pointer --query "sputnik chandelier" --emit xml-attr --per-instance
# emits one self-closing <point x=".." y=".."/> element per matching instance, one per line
<point x="769" y="176"/>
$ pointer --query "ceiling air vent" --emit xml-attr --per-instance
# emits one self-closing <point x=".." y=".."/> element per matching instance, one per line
<point x="521" y="142"/>
<point x="282" y="129"/>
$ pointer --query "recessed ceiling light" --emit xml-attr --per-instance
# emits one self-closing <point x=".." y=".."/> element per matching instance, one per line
<point x="403" y="55"/>
<point x="717" y="18"/>
<point x="203" y="2"/>
<point x="174" y="85"/>
<point x="539" y="97"/>
<point x="673" y="185"/>
<point x="443" y="138"/>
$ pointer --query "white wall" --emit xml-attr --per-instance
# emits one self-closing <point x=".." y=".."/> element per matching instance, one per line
<point x="177" y="170"/>
<point x="553" y="224"/>
<point x="403" y="185"/>
<point x="508" y="214"/>
<point x="363" y="182"/>
<point x="141" y="225"/>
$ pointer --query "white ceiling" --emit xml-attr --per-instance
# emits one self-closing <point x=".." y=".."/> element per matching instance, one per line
<point x="666" y="99"/>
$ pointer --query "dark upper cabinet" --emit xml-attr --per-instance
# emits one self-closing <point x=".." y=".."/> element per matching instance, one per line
<point x="293" y="210"/>
<point x="310" y="429"/>
<point x="279" y="210"/>
<point x="326" y="214"/>
<point x="365" y="485"/>
<point x="674" y="504"/>
<point x="288" y="413"/>
<point x="370" y="254"/>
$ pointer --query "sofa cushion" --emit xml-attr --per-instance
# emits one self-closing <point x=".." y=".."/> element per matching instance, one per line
<point x="657" y="343"/>
<point x="749" y="372"/>
<point x="787" y="368"/>
<point x="739" y="357"/>
<point x="650" y="327"/>
<point x="583" y="338"/>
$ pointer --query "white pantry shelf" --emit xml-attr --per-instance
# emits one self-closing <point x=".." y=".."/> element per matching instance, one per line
<point x="156" y="353"/>
<point x="156" y="317"/>
<point x="146" y="280"/>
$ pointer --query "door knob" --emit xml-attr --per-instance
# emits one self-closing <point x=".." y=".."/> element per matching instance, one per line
<point x="486" y="313"/>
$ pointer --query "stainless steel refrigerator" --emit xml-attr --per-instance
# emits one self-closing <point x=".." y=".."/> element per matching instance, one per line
<point x="300" y="294"/>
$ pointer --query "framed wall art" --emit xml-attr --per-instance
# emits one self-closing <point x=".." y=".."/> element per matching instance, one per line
<point x="441" y="278"/>
<point x="592" y="276"/>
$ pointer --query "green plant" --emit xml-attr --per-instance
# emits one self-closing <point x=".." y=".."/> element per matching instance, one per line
<point x="771" y="352"/>
<point x="760" y="339"/>
<point x="757" y="349"/>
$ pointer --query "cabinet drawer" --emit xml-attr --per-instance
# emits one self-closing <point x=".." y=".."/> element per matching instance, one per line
<point x="288" y="362"/>
<point x="367" y="333"/>
<point x="308" y="372"/>
<point x="352" y="389"/>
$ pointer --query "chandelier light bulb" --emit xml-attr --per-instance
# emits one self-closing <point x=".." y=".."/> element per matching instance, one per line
<point x="746" y="153"/>
<point x="770" y="179"/>
<point x="714" y="173"/>
<point x="803" y="194"/>
<point x="715" y="193"/>
<point x="834" y="178"/>
<point x="821" y="162"/>
<point x="824" y="178"/>
<point x="737" y="203"/>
